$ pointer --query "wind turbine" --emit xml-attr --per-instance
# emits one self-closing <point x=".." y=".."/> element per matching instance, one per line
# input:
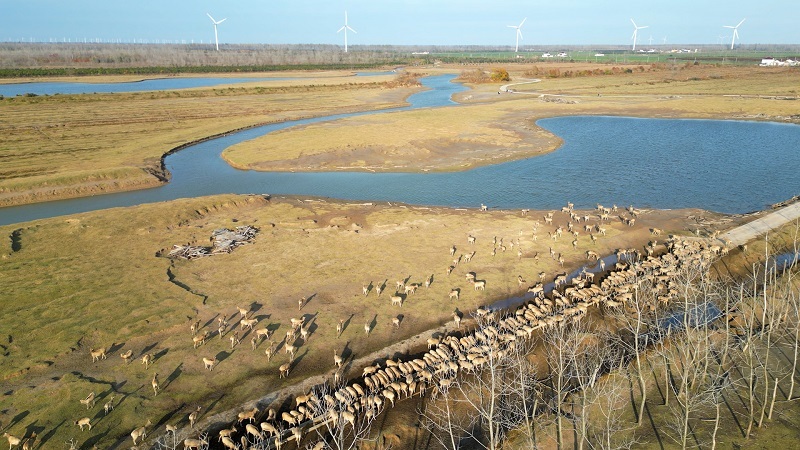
<point x="635" y="33"/>
<point x="519" y="33"/>
<point x="735" y="31"/>
<point x="345" y="28"/>
<point x="216" y="40"/>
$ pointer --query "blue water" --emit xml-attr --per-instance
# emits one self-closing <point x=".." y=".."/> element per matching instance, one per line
<point x="725" y="166"/>
<point x="158" y="84"/>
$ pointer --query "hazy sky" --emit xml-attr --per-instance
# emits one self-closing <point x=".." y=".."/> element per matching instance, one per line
<point x="403" y="22"/>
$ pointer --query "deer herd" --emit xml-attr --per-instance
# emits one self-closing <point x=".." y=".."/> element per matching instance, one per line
<point x="448" y="355"/>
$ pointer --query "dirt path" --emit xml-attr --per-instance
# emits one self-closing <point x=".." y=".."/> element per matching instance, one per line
<point x="751" y="230"/>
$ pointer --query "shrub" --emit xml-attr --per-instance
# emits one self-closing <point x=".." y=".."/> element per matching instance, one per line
<point x="500" y="74"/>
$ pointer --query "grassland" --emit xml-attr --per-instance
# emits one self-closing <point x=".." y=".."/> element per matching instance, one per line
<point x="495" y="128"/>
<point x="93" y="280"/>
<point x="73" y="145"/>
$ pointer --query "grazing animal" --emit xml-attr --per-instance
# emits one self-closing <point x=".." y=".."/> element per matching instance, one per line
<point x="147" y="359"/>
<point x="457" y="320"/>
<point x="29" y="443"/>
<point x="300" y="303"/>
<point x="97" y="354"/>
<point x="248" y="323"/>
<point x="195" y="444"/>
<point x="140" y="432"/>
<point x="270" y="350"/>
<point x="88" y="402"/>
<point x="470" y="239"/>
<point x="397" y="300"/>
<point x="209" y="363"/>
<point x="367" y="328"/>
<point x="453" y="294"/>
<point x="85" y="422"/>
<point x="249" y="416"/>
<point x="337" y="359"/>
<point x="284" y="370"/>
<point x="154" y="382"/>
<point x="193" y="416"/>
<point x="195" y="326"/>
<point x="484" y="207"/>
<point x="365" y="290"/>
<point x="396" y="322"/>
<point x="127" y="356"/>
<point x="13" y="441"/>
<point x="480" y="285"/>
<point x="243" y="312"/>
<point x="109" y="405"/>
<point x="290" y="349"/>
<point x="235" y="340"/>
<point x="200" y="340"/>
<point x="339" y="327"/>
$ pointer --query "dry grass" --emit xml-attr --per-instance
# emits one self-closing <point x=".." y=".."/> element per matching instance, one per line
<point x="423" y="140"/>
<point x="93" y="280"/>
<point x="496" y="128"/>
<point x="116" y="141"/>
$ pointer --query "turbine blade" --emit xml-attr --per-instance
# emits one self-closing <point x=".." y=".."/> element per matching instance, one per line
<point x="223" y="20"/>
<point x="634" y="23"/>
<point x="737" y="26"/>
<point x="646" y="26"/>
<point x="512" y="26"/>
<point x="340" y="29"/>
<point x="727" y="26"/>
<point x="519" y="32"/>
<point x="354" y="31"/>
<point x="212" y="19"/>
<point x="523" y="21"/>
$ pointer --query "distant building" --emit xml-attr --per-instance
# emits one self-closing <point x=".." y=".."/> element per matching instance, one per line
<point x="546" y="55"/>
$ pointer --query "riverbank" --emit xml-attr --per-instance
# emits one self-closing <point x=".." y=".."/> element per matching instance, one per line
<point x="66" y="146"/>
<point x="493" y="127"/>
<point x="101" y="266"/>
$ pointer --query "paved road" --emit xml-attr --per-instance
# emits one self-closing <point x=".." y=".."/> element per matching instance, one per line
<point x="758" y="227"/>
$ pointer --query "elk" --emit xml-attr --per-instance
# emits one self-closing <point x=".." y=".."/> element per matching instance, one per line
<point x="470" y="239"/>
<point x="248" y="323"/>
<point x="284" y="370"/>
<point x="250" y="415"/>
<point x="86" y="421"/>
<point x="209" y="363"/>
<point x="88" y="402"/>
<point x="193" y="416"/>
<point x="453" y="294"/>
<point x="367" y="328"/>
<point x="235" y="339"/>
<point x="290" y="349"/>
<point x="337" y="359"/>
<point x="339" y="327"/>
<point x="396" y="322"/>
<point x="127" y="356"/>
<point x="397" y="300"/>
<point x="140" y="432"/>
<point x="13" y="441"/>
<point x="154" y="383"/>
<point x="195" y="444"/>
<point x="200" y="340"/>
<point x="147" y="359"/>
<point x="480" y="285"/>
<point x="97" y="354"/>
<point x="243" y="312"/>
<point x="195" y="327"/>
<point x="109" y="405"/>
<point x="300" y="303"/>
<point x="457" y="320"/>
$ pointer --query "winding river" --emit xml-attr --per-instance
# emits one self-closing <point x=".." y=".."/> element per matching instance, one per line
<point x="724" y="166"/>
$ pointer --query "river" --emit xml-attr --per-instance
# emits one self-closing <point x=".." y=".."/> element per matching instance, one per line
<point x="724" y="166"/>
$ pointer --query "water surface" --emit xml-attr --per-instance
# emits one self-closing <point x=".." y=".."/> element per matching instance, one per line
<point x="724" y="166"/>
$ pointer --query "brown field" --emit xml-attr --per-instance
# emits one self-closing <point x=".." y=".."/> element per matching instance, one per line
<point x="77" y="145"/>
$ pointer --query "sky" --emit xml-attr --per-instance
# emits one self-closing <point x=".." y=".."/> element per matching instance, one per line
<point x="402" y="22"/>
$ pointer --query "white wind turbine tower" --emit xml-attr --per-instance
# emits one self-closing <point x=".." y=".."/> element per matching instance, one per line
<point x="635" y="33"/>
<point x="735" y="31"/>
<point x="216" y="40"/>
<point x="345" y="28"/>
<point x="519" y="33"/>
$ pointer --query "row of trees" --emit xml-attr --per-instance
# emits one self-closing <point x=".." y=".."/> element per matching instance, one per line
<point x="723" y="354"/>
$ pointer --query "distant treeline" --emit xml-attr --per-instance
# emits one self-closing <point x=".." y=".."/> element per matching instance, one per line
<point x="83" y="71"/>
